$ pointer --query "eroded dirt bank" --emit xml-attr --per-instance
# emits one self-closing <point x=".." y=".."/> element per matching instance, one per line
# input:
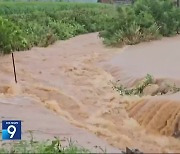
<point x="160" y="114"/>
<point x="69" y="79"/>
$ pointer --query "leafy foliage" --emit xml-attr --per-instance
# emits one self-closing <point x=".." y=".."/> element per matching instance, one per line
<point x="144" y="20"/>
<point x="42" y="23"/>
<point x="53" y="146"/>
<point x="11" y="37"/>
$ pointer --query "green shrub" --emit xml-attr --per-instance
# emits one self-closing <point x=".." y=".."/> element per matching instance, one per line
<point x="11" y="37"/>
<point x="144" y="20"/>
<point x="42" y="23"/>
<point x="65" y="30"/>
<point x="164" y="13"/>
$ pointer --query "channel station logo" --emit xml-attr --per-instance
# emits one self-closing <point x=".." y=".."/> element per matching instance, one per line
<point x="11" y="130"/>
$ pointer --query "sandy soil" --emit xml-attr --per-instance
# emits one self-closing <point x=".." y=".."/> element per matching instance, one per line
<point x="72" y="78"/>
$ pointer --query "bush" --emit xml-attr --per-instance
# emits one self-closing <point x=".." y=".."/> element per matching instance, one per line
<point x="143" y="21"/>
<point x="42" y="23"/>
<point x="163" y="11"/>
<point x="11" y="37"/>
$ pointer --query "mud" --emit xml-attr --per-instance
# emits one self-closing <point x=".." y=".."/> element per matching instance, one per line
<point x="72" y="78"/>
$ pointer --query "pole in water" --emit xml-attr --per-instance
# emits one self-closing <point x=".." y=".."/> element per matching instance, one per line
<point x="14" y="68"/>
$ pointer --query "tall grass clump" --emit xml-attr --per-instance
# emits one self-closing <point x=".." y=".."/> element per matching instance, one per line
<point x="144" y="20"/>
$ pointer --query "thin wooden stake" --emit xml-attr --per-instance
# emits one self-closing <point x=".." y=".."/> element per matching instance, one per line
<point x="14" y="67"/>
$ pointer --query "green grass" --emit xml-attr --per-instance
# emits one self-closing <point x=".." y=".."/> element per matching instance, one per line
<point x="41" y="147"/>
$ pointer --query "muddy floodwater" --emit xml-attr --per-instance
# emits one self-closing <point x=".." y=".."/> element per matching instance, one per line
<point x="73" y="79"/>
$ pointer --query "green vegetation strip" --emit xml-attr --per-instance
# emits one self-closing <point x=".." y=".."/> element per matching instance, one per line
<point x="41" y="147"/>
<point x="27" y="24"/>
<point x="143" y="21"/>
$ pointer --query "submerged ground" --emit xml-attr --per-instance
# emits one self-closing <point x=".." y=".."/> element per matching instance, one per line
<point x="72" y="78"/>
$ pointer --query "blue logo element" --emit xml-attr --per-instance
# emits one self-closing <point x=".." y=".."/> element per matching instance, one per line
<point x="11" y="130"/>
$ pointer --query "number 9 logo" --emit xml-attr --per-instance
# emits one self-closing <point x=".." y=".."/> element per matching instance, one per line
<point x="11" y="132"/>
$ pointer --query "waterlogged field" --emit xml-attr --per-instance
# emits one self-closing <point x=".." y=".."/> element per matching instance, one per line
<point x="23" y="25"/>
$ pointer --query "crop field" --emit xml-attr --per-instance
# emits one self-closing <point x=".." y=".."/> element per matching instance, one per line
<point x="27" y="24"/>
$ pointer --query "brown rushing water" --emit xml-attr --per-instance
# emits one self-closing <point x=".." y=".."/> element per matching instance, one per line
<point x="67" y="78"/>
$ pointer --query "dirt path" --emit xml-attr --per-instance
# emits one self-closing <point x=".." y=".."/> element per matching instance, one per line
<point x="67" y="78"/>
